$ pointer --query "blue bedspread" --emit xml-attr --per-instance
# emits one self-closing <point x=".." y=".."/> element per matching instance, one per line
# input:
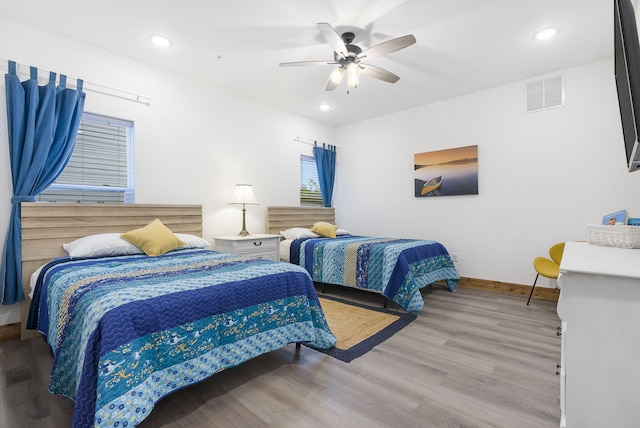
<point x="396" y="268"/>
<point x="126" y="331"/>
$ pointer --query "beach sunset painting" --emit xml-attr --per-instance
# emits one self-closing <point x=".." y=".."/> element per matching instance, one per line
<point x="446" y="172"/>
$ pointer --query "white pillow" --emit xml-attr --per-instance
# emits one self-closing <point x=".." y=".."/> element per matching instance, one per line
<point x="100" y="245"/>
<point x="298" y="232"/>
<point x="110" y="244"/>
<point x="342" y="232"/>
<point x="192" y="241"/>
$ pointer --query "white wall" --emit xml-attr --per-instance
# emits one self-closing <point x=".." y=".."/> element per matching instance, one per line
<point x="192" y="145"/>
<point x="542" y="176"/>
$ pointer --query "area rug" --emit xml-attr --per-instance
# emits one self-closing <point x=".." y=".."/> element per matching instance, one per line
<point x="359" y="328"/>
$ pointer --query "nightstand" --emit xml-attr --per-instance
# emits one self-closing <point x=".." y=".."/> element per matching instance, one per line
<point x="261" y="246"/>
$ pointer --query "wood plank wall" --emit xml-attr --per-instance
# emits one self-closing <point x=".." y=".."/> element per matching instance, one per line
<point x="282" y="218"/>
<point x="46" y="226"/>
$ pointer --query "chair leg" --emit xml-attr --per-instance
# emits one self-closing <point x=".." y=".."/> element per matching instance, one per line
<point x="534" y="286"/>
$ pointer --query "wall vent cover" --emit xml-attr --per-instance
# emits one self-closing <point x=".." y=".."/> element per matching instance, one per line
<point x="545" y="94"/>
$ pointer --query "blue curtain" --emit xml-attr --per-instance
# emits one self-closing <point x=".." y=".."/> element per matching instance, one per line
<point x="43" y="123"/>
<point x="326" y="164"/>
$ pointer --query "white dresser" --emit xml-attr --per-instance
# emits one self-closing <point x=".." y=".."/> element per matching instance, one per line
<point x="599" y="307"/>
<point x="261" y="246"/>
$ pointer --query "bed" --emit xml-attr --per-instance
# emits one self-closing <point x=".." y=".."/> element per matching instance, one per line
<point x="395" y="268"/>
<point x="127" y="329"/>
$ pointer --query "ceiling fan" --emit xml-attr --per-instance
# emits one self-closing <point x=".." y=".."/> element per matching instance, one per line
<point x="349" y="57"/>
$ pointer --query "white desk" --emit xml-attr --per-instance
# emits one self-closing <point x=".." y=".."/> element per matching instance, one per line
<point x="599" y="307"/>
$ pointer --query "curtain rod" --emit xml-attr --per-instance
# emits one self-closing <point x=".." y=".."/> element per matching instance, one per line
<point x="310" y="141"/>
<point x="93" y="87"/>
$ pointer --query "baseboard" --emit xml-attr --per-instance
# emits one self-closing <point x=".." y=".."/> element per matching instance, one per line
<point x="9" y="332"/>
<point x="12" y="331"/>
<point x="544" y="293"/>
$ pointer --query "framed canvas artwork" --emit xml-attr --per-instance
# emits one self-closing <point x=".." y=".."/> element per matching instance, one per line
<point x="446" y="172"/>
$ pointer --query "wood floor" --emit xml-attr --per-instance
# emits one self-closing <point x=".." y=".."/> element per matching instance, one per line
<point x="471" y="359"/>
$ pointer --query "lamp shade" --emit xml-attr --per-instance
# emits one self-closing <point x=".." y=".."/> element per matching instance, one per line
<point x="336" y="75"/>
<point x="244" y="195"/>
<point x="353" y="75"/>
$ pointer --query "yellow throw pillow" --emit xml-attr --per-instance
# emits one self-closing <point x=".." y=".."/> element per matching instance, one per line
<point x="154" y="239"/>
<point x="325" y="229"/>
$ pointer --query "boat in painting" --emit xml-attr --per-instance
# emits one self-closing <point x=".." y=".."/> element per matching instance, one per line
<point x="431" y="185"/>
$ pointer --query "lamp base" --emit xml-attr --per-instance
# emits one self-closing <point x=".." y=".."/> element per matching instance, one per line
<point x="244" y="232"/>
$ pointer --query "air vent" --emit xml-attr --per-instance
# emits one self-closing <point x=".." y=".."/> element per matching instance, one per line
<point x="545" y="94"/>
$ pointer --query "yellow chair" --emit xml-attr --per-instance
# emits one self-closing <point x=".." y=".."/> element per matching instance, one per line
<point x="548" y="268"/>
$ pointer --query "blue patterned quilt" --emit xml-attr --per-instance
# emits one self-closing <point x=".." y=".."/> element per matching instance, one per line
<point x="126" y="331"/>
<point x="396" y="268"/>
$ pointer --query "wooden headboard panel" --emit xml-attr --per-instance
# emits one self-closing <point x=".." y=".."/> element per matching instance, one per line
<point x="46" y="226"/>
<point x="282" y="218"/>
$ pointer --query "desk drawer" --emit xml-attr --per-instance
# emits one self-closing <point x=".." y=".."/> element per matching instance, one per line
<point x="257" y="244"/>
<point x="262" y="254"/>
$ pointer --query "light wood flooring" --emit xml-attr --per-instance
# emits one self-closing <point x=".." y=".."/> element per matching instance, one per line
<point x="471" y="359"/>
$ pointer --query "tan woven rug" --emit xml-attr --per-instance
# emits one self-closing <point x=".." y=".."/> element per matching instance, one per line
<point x="358" y="328"/>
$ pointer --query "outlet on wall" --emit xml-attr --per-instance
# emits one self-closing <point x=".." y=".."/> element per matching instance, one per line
<point x="454" y="256"/>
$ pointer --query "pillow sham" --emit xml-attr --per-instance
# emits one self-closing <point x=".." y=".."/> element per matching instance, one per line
<point x="298" y="233"/>
<point x="325" y="229"/>
<point x="100" y="245"/>
<point x="193" y="241"/>
<point x="154" y="239"/>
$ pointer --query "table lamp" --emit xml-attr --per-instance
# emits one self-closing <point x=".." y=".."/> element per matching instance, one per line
<point x="244" y="195"/>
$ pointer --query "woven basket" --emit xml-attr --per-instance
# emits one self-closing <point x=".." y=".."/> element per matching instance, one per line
<point x="614" y="236"/>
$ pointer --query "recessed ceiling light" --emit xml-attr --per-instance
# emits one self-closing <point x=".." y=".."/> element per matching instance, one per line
<point x="160" y="41"/>
<point x="325" y="107"/>
<point x="545" y="34"/>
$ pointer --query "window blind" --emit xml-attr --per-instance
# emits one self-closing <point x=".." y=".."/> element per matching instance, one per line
<point x="100" y="168"/>
<point x="309" y="182"/>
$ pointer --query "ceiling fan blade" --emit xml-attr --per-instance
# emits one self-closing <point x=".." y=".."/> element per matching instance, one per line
<point x="333" y="39"/>
<point x="379" y="73"/>
<point x="331" y="86"/>
<point x="387" y="47"/>
<point x="299" y="63"/>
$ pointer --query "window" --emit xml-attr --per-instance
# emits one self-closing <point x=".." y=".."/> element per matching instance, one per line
<point x="101" y="167"/>
<point x="309" y="183"/>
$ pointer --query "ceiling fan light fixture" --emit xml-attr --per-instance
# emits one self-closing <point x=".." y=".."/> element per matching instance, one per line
<point x="336" y="75"/>
<point x="353" y="75"/>
<point x="353" y="69"/>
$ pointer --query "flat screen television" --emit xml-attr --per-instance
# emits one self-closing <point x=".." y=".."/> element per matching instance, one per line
<point x="627" y="74"/>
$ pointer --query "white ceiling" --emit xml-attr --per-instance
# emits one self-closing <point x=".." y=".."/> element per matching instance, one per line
<point x="463" y="46"/>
